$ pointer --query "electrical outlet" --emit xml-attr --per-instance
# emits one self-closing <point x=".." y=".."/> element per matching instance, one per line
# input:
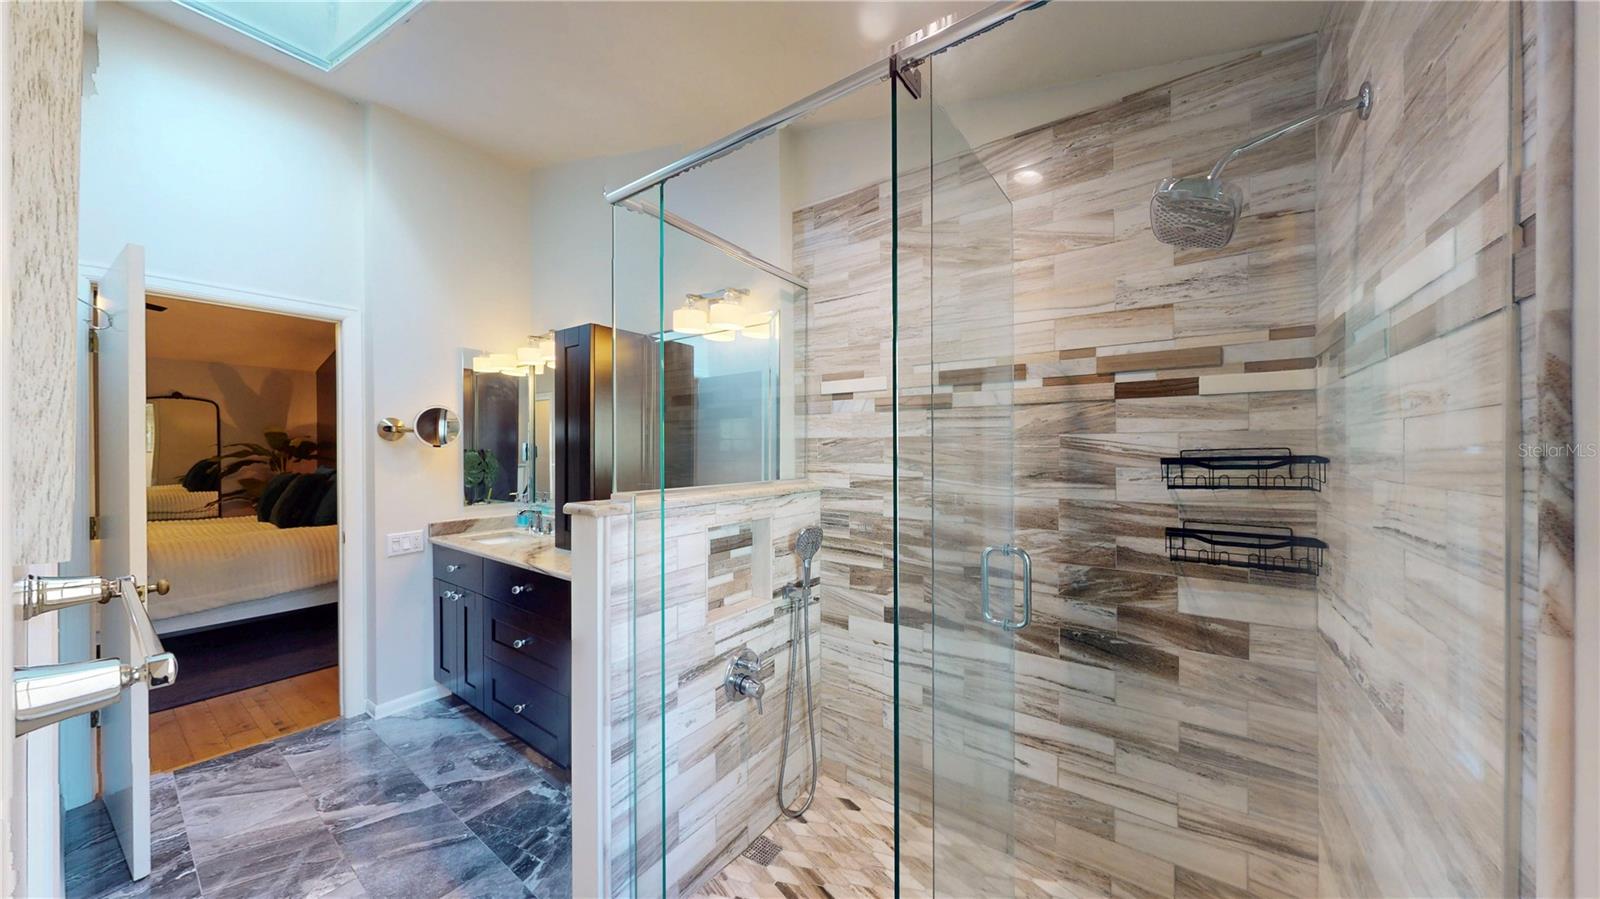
<point x="405" y="543"/>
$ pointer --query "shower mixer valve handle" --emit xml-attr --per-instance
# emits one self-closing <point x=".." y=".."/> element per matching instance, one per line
<point x="744" y="680"/>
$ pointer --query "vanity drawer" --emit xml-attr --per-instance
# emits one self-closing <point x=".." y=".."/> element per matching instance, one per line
<point x="535" y="646"/>
<point x="535" y="714"/>
<point x="459" y="568"/>
<point x="538" y="593"/>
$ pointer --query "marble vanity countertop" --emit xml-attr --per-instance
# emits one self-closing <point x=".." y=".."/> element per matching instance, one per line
<point x="500" y="540"/>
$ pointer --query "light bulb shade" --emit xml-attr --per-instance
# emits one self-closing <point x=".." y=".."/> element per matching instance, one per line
<point x="530" y="355"/>
<point x="759" y="326"/>
<point x="727" y="314"/>
<point x="725" y="335"/>
<point x="500" y="362"/>
<point x="483" y="364"/>
<point x="689" y="320"/>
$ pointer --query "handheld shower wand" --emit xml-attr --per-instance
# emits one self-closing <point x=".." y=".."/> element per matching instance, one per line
<point x="1200" y="213"/>
<point x="806" y="546"/>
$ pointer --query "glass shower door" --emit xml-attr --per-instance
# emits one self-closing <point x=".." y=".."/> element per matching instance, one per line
<point x="963" y="584"/>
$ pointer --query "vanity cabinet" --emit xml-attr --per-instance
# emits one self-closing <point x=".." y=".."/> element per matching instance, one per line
<point x="503" y="643"/>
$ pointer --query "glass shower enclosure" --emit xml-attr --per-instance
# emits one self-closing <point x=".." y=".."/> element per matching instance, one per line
<point x="1060" y="639"/>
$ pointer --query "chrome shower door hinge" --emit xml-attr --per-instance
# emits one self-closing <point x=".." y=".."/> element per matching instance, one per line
<point x="907" y="75"/>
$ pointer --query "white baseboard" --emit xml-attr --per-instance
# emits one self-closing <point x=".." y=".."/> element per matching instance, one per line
<point x="410" y="700"/>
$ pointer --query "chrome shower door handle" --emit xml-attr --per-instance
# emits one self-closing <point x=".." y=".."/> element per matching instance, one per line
<point x="1007" y="622"/>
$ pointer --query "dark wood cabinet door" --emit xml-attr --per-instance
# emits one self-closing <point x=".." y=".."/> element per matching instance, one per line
<point x="474" y="610"/>
<point x="449" y="603"/>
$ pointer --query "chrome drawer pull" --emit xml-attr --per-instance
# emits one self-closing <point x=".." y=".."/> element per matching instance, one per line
<point x="517" y="589"/>
<point x="519" y="643"/>
<point x="452" y="568"/>
<point x="519" y="707"/>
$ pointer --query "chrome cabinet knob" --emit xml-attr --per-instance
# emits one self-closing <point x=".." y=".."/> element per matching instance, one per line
<point x="452" y="595"/>
<point x="517" y="589"/>
<point x="452" y="567"/>
<point x="519" y="707"/>
<point x="519" y="642"/>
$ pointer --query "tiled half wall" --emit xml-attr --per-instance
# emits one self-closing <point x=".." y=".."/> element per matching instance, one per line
<point x="1165" y="715"/>
<point x="723" y="556"/>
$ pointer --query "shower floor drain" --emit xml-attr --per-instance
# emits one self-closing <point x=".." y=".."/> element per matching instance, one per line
<point x="763" y="851"/>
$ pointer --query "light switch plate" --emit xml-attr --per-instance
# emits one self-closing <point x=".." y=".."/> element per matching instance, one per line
<point x="405" y="543"/>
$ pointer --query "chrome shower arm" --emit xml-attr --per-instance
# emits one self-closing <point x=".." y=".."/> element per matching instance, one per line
<point x="1361" y="103"/>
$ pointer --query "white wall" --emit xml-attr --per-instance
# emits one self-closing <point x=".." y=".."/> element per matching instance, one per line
<point x="251" y="399"/>
<point x="447" y="267"/>
<point x="739" y="197"/>
<point x="229" y="172"/>
<point x="240" y="179"/>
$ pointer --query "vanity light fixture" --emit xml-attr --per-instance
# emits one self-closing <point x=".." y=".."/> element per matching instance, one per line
<point x="538" y="354"/>
<point x="689" y="318"/>
<point x="720" y="316"/>
<point x="533" y="359"/>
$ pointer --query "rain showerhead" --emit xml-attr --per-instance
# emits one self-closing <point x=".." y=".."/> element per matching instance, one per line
<point x="1195" y="212"/>
<point x="807" y="544"/>
<point x="1201" y="212"/>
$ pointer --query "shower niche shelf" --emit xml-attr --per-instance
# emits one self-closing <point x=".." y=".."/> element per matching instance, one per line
<point x="1251" y="468"/>
<point x="1262" y="547"/>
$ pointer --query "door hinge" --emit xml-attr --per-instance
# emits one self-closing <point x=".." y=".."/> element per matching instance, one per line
<point x="94" y="718"/>
<point x="94" y="527"/>
<point x="94" y="341"/>
<point x="907" y="75"/>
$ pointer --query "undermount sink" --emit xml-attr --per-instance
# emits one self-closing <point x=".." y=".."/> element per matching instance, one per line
<point x="498" y="539"/>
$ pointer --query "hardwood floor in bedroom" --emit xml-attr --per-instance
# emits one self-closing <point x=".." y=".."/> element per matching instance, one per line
<point x="222" y="724"/>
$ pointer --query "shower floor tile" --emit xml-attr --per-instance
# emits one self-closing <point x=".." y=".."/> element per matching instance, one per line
<point x="844" y="847"/>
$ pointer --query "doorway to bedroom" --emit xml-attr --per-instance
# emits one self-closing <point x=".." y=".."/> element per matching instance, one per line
<point x="242" y="524"/>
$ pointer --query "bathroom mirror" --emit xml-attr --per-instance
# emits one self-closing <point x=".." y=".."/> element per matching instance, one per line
<point x="437" y="426"/>
<point x="183" y="449"/>
<point x="506" y="429"/>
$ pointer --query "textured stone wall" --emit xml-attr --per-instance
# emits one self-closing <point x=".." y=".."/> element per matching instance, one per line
<point x="1415" y="403"/>
<point x="46" y="85"/>
<point x="1164" y="714"/>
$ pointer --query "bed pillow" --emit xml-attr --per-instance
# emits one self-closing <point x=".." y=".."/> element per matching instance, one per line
<point x="271" y="493"/>
<point x="327" y="511"/>
<point x="299" y="501"/>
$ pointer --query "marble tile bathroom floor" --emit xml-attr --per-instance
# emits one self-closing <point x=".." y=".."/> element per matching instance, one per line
<point x="435" y="801"/>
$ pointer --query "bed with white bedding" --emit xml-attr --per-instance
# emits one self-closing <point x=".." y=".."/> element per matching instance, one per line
<point x="229" y="569"/>
<point x="174" y="502"/>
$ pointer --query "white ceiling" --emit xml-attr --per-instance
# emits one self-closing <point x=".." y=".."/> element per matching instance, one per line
<point x="546" y="82"/>
<point x="202" y="332"/>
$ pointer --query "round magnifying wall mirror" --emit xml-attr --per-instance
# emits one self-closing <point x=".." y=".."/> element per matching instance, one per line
<point x="438" y="426"/>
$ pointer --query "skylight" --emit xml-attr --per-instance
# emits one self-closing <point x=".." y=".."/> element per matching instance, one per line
<point x="323" y="33"/>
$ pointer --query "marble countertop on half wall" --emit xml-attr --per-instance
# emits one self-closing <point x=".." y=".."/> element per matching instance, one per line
<point x="500" y="540"/>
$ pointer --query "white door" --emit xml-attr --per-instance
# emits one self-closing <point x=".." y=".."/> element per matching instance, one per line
<point x="120" y="482"/>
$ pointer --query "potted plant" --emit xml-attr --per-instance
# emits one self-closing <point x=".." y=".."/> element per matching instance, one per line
<point x="276" y="455"/>
<point x="480" y="469"/>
